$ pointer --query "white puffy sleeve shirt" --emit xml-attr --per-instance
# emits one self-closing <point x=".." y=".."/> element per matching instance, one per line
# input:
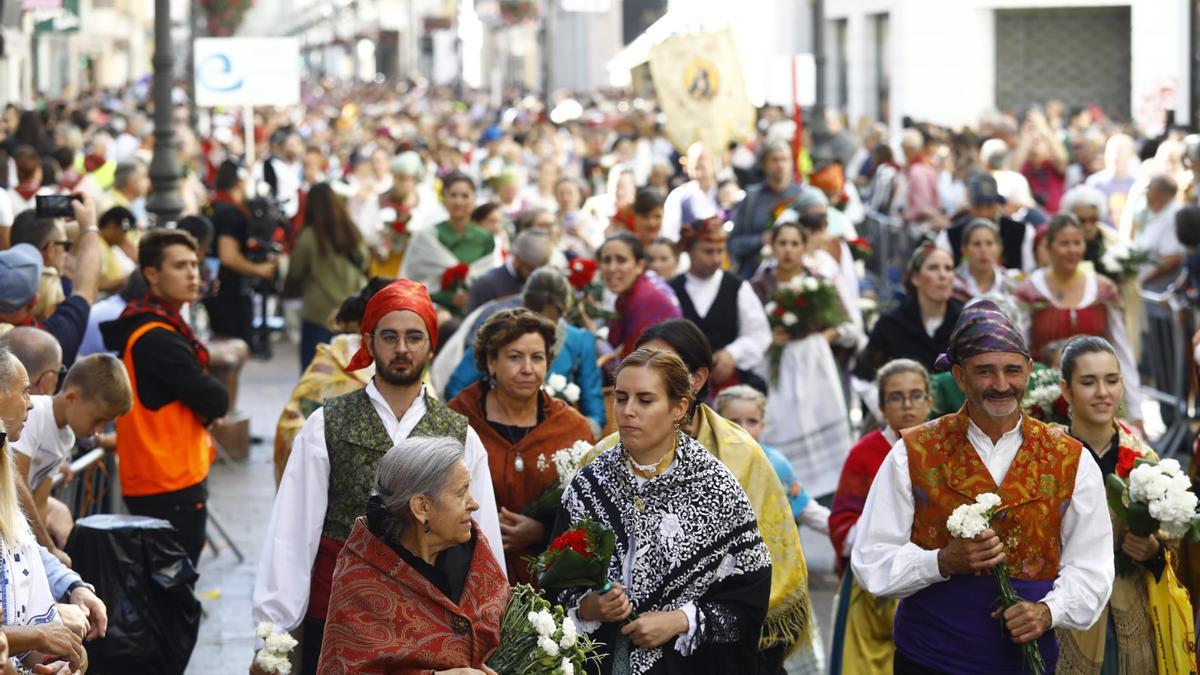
<point x="887" y="563"/>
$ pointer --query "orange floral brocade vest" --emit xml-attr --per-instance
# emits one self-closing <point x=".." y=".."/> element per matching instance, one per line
<point x="947" y="472"/>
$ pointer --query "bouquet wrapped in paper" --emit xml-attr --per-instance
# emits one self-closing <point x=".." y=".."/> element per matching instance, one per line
<point x="578" y="558"/>
<point x="1151" y="498"/>
<point x="538" y="639"/>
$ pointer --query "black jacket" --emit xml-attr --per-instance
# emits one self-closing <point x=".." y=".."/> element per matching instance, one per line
<point x="900" y="334"/>
<point x="166" y="368"/>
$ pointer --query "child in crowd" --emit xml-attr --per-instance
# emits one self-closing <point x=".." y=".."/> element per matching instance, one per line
<point x="95" y="392"/>
<point x="746" y="406"/>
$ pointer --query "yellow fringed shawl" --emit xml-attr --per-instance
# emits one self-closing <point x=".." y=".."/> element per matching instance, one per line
<point x="788" y="621"/>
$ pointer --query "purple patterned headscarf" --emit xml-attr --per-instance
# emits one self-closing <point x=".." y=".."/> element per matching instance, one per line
<point x="982" y="328"/>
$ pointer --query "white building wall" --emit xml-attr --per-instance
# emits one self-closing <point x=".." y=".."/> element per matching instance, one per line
<point x="942" y="53"/>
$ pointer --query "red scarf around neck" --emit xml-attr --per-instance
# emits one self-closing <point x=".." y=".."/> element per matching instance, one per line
<point x="157" y="307"/>
<point x="226" y="198"/>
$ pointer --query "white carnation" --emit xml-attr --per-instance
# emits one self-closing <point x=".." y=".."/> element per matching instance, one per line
<point x="568" y="668"/>
<point x="988" y="500"/>
<point x="569" y="634"/>
<point x="264" y="630"/>
<point x="281" y="643"/>
<point x="547" y="645"/>
<point x="557" y="382"/>
<point x="273" y="663"/>
<point x="1169" y="466"/>
<point x="388" y="214"/>
<point x="571" y="392"/>
<point x="770" y="307"/>
<point x="967" y="521"/>
<point x="790" y="319"/>
<point x="810" y="284"/>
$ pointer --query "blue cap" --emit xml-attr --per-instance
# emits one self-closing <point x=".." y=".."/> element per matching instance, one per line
<point x="982" y="189"/>
<point x="492" y="133"/>
<point x="20" y="271"/>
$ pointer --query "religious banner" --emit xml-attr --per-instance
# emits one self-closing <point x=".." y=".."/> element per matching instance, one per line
<point x="701" y="89"/>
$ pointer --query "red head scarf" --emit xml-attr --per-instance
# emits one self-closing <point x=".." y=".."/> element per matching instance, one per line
<point x="398" y="295"/>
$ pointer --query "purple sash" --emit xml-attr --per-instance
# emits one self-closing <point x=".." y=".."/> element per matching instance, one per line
<point x="948" y="627"/>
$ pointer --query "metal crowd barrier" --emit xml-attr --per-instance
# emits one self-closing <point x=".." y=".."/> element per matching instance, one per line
<point x="89" y="493"/>
<point x="891" y="244"/>
<point x="1165" y="353"/>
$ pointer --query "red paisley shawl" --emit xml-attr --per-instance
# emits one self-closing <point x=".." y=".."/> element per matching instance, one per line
<point x="385" y="617"/>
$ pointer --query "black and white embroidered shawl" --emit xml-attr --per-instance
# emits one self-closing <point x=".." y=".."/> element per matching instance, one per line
<point x="696" y="541"/>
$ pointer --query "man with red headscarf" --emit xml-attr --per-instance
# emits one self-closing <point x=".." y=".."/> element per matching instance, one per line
<point x="332" y="466"/>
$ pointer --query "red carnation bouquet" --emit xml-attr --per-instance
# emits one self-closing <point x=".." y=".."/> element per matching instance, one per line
<point x="578" y="558"/>
<point x="394" y="235"/>
<point x="588" y="291"/>
<point x="860" y="249"/>
<point x="455" y="277"/>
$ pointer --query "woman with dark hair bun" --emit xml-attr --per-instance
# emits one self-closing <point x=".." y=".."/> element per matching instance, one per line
<point x="789" y="619"/>
<point x="1141" y="629"/>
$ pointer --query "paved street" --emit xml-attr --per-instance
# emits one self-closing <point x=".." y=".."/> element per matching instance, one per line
<point x="241" y="499"/>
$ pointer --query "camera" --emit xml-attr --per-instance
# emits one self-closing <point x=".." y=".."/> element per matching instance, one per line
<point x="55" y="206"/>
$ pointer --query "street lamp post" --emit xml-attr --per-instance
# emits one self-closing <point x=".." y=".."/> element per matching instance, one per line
<point x="820" y="151"/>
<point x="164" y="200"/>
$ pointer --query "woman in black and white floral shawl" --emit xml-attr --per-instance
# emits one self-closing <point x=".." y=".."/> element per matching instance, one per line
<point x="687" y="543"/>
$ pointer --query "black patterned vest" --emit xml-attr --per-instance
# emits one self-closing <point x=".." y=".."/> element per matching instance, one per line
<point x="356" y="440"/>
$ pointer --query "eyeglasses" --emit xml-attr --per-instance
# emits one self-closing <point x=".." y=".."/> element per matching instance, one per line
<point x="65" y="243"/>
<point x="413" y="340"/>
<point x="899" y="398"/>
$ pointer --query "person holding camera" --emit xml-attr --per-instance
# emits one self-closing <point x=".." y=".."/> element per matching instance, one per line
<point x="231" y="310"/>
<point x="39" y="242"/>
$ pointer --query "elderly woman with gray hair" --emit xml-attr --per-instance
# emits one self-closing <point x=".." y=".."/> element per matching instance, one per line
<point x="416" y="588"/>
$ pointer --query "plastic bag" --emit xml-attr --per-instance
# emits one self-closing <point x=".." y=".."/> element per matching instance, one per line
<point x="144" y="576"/>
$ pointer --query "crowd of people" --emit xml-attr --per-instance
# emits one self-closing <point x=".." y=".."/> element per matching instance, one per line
<point x="472" y="290"/>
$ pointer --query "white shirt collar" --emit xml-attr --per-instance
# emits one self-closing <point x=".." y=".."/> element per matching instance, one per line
<point x="974" y="430"/>
<point x="890" y="435"/>
<point x="381" y="404"/>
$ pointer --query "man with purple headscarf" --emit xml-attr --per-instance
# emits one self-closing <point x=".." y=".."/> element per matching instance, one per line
<point x="1051" y="529"/>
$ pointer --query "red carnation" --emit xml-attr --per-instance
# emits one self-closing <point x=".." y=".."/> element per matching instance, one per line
<point x="576" y="540"/>
<point x="400" y="226"/>
<point x="801" y="301"/>
<point x="455" y="275"/>
<point x="1125" y="459"/>
<point x="780" y="311"/>
<point x="583" y="270"/>
<point x="1062" y="408"/>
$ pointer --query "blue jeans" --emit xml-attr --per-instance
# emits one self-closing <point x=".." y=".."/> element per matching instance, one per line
<point x="311" y="335"/>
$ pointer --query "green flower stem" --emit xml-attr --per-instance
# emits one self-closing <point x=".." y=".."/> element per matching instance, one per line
<point x="1031" y="654"/>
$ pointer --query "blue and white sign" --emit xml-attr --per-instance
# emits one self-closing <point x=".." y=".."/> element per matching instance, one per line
<point x="247" y="71"/>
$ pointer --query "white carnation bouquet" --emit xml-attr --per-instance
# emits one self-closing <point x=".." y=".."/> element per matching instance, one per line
<point x="273" y="657"/>
<point x="537" y="639"/>
<point x="967" y="522"/>
<point x="1120" y="261"/>
<point x="558" y="387"/>
<point x="1156" y="499"/>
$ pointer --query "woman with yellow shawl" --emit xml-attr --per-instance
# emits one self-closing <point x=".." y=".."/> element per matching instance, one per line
<point x="1147" y="626"/>
<point x="326" y="376"/>
<point x="789" y="623"/>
